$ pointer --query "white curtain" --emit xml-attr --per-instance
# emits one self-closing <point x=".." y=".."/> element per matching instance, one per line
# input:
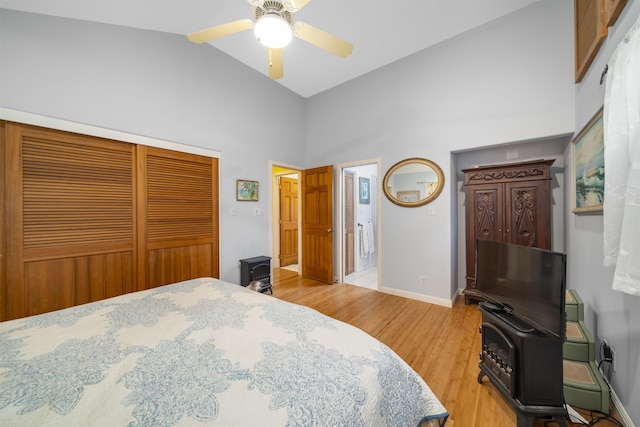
<point x="622" y="164"/>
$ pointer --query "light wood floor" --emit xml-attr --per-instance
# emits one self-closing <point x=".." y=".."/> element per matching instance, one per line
<point x="442" y="344"/>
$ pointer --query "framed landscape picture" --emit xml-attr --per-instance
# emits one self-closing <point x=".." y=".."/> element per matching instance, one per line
<point x="247" y="190"/>
<point x="588" y="167"/>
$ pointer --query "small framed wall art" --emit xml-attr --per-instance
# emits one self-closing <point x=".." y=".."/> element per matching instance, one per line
<point x="364" y="191"/>
<point x="247" y="190"/>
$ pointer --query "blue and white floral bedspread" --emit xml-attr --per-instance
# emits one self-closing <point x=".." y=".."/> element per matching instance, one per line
<point x="203" y="352"/>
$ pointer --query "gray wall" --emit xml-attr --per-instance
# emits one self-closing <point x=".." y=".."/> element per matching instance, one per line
<point x="610" y="315"/>
<point x="502" y="83"/>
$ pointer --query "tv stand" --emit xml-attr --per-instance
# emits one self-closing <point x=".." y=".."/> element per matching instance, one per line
<point x="524" y="365"/>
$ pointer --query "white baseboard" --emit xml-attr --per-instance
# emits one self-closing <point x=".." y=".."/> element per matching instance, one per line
<point x="419" y="297"/>
<point x="622" y="412"/>
<point x="574" y="416"/>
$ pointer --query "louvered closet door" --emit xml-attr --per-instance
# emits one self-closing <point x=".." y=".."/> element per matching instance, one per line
<point x="177" y="216"/>
<point x="70" y="219"/>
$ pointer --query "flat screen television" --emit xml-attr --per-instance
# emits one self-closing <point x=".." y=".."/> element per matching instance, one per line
<point x="526" y="282"/>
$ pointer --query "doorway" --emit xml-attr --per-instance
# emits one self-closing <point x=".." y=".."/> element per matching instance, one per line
<point x="359" y="224"/>
<point x="286" y="219"/>
<point x="302" y="221"/>
<point x="357" y="256"/>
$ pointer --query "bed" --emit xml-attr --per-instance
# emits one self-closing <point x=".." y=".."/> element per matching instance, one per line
<point x="203" y="352"/>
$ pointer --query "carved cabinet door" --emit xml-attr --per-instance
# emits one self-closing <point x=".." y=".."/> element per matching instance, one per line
<point x="527" y="207"/>
<point x="485" y="220"/>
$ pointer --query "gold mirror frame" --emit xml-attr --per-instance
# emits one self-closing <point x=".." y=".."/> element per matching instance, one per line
<point x="407" y="201"/>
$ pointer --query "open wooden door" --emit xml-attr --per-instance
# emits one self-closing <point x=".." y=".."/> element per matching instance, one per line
<point x="288" y="221"/>
<point x="349" y="223"/>
<point x="317" y="224"/>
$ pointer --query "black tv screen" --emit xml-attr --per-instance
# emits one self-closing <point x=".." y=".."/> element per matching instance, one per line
<point x="527" y="282"/>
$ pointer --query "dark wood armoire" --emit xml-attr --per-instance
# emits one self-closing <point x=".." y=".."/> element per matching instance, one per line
<point x="507" y="203"/>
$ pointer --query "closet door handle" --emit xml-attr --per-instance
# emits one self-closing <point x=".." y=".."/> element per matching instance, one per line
<point x="329" y="230"/>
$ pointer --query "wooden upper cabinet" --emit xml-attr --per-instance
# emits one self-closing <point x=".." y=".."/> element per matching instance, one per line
<point x="590" y="30"/>
<point x="507" y="203"/>
<point x="591" y="21"/>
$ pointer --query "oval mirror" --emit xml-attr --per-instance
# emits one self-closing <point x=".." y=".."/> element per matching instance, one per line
<point x="413" y="182"/>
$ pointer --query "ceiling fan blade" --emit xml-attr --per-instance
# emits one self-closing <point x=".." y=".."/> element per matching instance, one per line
<point x="276" y="68"/>
<point x="322" y="39"/>
<point x="294" y="5"/>
<point x="220" y="31"/>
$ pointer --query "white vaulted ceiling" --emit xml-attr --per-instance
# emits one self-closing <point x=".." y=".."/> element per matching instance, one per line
<point x="382" y="31"/>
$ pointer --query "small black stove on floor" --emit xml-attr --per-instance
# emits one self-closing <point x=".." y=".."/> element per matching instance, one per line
<point x="256" y="269"/>
<point x="524" y="364"/>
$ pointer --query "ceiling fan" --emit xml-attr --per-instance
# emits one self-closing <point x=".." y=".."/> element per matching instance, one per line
<point x="274" y="27"/>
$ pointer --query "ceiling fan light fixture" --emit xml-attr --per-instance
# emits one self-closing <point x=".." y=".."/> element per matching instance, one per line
<point x="273" y="31"/>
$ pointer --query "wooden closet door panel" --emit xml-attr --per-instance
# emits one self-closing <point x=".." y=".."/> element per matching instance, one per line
<point x="70" y="196"/>
<point x="60" y="283"/>
<point x="527" y="208"/>
<point x="3" y="222"/>
<point x="178" y="216"/>
<point x="50" y="285"/>
<point x="107" y="275"/>
<point x="169" y="265"/>
<point x="77" y="190"/>
<point x="14" y="295"/>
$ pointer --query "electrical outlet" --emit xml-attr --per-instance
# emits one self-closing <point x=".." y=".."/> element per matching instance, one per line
<point x="613" y="358"/>
<point x="609" y="354"/>
<point x="423" y="280"/>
